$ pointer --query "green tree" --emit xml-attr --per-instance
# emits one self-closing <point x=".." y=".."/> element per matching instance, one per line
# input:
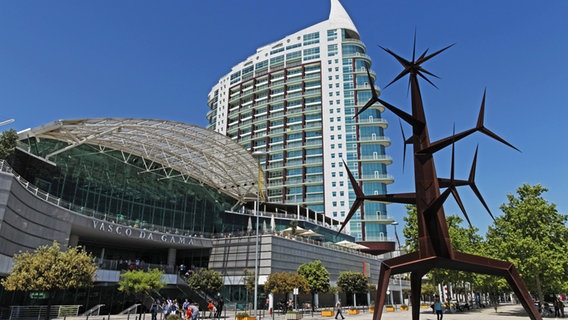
<point x="137" y="282"/>
<point x="8" y="141"/>
<point x="140" y="283"/>
<point x="249" y="280"/>
<point x="410" y="230"/>
<point x="463" y="239"/>
<point x="285" y="282"/>
<point x="352" y="282"/>
<point x="50" y="269"/>
<point x="316" y="275"/>
<point x="206" y="280"/>
<point x="532" y="235"/>
<point x="428" y="290"/>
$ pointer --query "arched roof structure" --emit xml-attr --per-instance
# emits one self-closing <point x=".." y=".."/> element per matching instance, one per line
<point x="174" y="148"/>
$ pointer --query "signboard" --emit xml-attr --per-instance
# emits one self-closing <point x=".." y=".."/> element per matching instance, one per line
<point x="38" y="295"/>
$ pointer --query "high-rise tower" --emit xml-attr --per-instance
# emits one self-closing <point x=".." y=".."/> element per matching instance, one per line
<point x="296" y="99"/>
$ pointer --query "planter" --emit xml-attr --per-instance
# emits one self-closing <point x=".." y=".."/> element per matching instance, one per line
<point x="425" y="306"/>
<point x="372" y="310"/>
<point x="293" y="316"/>
<point x="389" y="308"/>
<point x="355" y="311"/>
<point x="327" y="313"/>
<point x="246" y="318"/>
<point x="404" y="308"/>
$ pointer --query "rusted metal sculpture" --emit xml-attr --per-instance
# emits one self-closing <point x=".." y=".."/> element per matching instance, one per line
<point x="434" y="246"/>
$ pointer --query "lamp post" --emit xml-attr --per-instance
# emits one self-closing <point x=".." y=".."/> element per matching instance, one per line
<point x="257" y="155"/>
<point x="395" y="223"/>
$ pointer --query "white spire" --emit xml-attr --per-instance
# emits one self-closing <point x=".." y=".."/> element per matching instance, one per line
<point x="339" y="17"/>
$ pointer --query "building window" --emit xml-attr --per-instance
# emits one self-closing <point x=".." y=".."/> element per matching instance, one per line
<point x="311" y="38"/>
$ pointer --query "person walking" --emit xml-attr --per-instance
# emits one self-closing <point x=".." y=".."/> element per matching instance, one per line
<point x="438" y="308"/>
<point x="194" y="311"/>
<point x="557" y="304"/>
<point x="185" y="305"/>
<point x="220" y="304"/>
<point x="212" y="309"/>
<point x="338" y="307"/>
<point x="154" y="309"/>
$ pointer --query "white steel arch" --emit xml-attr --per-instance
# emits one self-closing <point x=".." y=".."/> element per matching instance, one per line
<point x="192" y="151"/>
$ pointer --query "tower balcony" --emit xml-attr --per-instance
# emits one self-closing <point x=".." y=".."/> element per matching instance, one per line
<point x="375" y="219"/>
<point x="381" y="178"/>
<point x="376" y="158"/>
<point x="376" y="105"/>
<point x="385" y="141"/>
<point x="383" y="123"/>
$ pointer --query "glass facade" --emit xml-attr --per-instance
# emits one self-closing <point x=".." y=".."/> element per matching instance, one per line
<point x="121" y="187"/>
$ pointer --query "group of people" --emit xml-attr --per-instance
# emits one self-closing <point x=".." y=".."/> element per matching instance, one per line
<point x="546" y="308"/>
<point x="284" y="304"/>
<point x="184" y="271"/>
<point x="127" y="264"/>
<point x="188" y="309"/>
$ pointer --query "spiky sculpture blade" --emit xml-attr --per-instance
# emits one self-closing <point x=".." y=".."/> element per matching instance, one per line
<point x="434" y="246"/>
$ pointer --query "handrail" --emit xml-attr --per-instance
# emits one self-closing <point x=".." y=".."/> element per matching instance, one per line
<point x="129" y="309"/>
<point x="94" y="311"/>
<point x="39" y="312"/>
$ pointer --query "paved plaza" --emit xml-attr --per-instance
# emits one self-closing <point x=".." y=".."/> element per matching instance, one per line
<point x="504" y="312"/>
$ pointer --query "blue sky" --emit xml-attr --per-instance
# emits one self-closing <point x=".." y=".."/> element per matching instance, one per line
<point x="159" y="59"/>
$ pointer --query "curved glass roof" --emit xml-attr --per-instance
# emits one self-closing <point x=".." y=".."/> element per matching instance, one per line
<point x="174" y="148"/>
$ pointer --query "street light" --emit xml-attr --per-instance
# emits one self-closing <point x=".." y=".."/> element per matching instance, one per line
<point x="257" y="155"/>
<point x="399" y="276"/>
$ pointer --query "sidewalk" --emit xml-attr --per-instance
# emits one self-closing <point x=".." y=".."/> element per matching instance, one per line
<point x="504" y="312"/>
